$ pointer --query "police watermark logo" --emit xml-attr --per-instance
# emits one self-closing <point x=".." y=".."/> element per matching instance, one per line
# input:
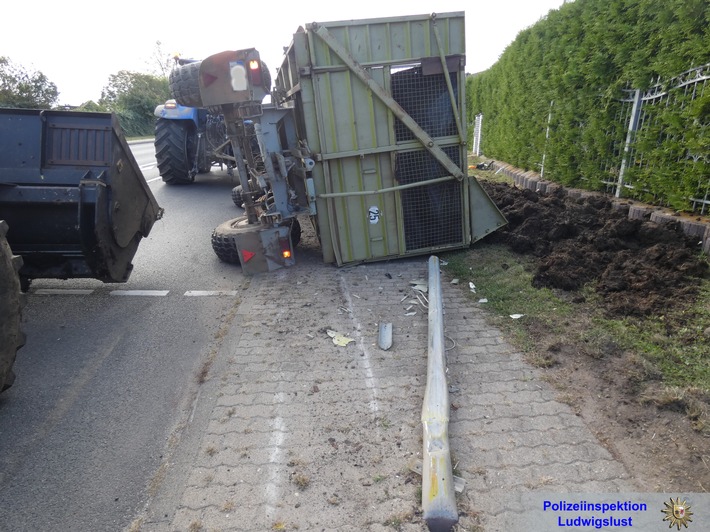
<point x="677" y="513"/>
<point x="374" y="214"/>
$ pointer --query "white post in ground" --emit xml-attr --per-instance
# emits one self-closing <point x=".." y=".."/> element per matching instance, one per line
<point x="438" y="495"/>
<point x="477" y="131"/>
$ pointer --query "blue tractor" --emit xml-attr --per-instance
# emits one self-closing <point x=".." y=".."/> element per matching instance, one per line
<point x="189" y="140"/>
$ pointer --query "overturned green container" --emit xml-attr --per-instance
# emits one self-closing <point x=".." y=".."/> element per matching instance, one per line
<point x="380" y="107"/>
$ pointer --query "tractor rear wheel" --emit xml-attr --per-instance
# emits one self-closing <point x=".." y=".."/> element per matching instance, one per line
<point x="185" y="84"/>
<point x="11" y="336"/>
<point x="174" y="150"/>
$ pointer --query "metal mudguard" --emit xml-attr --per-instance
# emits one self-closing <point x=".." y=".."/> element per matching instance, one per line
<point x="177" y="112"/>
<point x="260" y="248"/>
<point x="73" y="195"/>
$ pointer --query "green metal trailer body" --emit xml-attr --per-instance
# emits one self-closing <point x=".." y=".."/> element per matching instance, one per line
<point x="385" y="124"/>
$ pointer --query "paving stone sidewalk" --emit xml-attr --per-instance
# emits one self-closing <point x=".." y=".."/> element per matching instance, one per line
<point x="306" y="435"/>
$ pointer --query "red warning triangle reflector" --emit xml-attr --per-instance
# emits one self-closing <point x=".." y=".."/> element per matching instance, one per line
<point x="208" y="79"/>
<point x="247" y="255"/>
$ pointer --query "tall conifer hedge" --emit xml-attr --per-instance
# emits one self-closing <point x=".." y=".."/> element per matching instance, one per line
<point x="575" y="63"/>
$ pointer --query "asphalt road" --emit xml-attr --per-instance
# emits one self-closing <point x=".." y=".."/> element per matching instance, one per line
<point x="110" y="373"/>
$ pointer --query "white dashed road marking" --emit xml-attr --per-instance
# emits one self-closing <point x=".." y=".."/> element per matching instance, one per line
<point x="158" y="293"/>
<point x="139" y="293"/>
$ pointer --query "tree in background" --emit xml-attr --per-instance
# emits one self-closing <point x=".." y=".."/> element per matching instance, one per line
<point x="133" y="96"/>
<point x="25" y="89"/>
<point x="91" y="107"/>
<point x="161" y="63"/>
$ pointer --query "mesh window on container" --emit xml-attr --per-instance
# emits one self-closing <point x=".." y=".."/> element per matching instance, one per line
<point x="432" y="213"/>
<point x="426" y="100"/>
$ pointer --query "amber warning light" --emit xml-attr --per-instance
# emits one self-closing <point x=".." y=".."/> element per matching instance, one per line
<point x="286" y="253"/>
<point x="255" y="71"/>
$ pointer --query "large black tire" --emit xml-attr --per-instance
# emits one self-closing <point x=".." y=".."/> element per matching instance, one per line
<point x="185" y="84"/>
<point x="204" y="165"/>
<point x="174" y="150"/>
<point x="11" y="336"/>
<point x="295" y="232"/>
<point x="238" y="196"/>
<point x="223" y="242"/>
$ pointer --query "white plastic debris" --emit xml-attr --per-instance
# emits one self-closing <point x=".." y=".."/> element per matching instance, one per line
<point x="483" y="300"/>
<point x="517" y="316"/>
<point x="420" y="284"/>
<point x="339" y="339"/>
<point x="421" y="300"/>
<point x="472" y="287"/>
<point x="384" y="340"/>
<point x="454" y="281"/>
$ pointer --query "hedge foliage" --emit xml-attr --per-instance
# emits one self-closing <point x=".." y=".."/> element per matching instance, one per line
<point x="573" y="66"/>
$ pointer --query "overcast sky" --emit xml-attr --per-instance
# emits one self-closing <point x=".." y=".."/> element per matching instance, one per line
<point x="78" y="44"/>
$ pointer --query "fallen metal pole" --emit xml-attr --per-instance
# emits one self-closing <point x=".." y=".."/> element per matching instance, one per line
<point x="438" y="495"/>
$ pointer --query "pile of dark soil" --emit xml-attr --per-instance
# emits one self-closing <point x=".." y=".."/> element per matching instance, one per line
<point x="639" y="267"/>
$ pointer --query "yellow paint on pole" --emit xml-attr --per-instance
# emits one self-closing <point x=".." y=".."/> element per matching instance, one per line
<point x="438" y="493"/>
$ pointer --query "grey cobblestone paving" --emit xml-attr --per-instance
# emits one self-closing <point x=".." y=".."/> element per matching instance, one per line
<point x="305" y="435"/>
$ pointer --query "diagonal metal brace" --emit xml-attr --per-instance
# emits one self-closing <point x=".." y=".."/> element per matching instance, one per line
<point x="387" y="99"/>
<point x="445" y="69"/>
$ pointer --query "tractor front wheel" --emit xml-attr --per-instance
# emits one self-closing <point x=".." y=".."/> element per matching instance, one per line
<point x="174" y="150"/>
